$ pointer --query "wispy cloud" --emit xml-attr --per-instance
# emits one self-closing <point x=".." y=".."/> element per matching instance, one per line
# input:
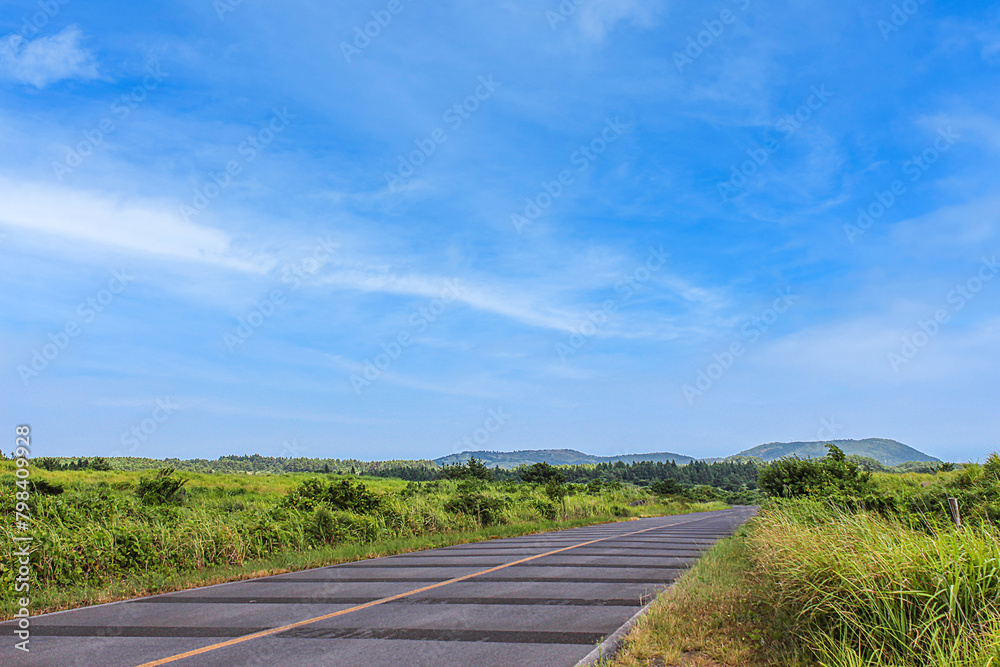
<point x="117" y="223"/>
<point x="599" y="17"/>
<point x="521" y="308"/>
<point x="46" y="60"/>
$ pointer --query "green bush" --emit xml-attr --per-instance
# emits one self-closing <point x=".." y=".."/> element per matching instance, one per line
<point x="162" y="489"/>
<point x="665" y="487"/>
<point x="473" y="501"/>
<point x="540" y="473"/>
<point x="833" y="475"/>
<point x="338" y="495"/>
<point x="324" y="526"/>
<point x="473" y="469"/>
<point x="547" y="510"/>
<point x="41" y="486"/>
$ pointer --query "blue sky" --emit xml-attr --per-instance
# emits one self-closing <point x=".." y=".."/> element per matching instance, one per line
<point x="619" y="225"/>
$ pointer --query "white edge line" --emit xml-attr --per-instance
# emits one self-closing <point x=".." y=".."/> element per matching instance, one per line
<point x="609" y="647"/>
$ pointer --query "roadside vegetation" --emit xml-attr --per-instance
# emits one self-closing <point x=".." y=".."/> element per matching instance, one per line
<point x="842" y="568"/>
<point x="104" y="534"/>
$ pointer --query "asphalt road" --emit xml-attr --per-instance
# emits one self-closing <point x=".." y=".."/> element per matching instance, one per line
<point x="543" y="600"/>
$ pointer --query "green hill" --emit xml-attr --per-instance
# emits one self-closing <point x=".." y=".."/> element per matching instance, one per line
<point x="555" y="457"/>
<point x="887" y="452"/>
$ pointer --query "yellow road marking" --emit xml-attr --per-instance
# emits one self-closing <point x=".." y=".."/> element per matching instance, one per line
<point x="366" y="605"/>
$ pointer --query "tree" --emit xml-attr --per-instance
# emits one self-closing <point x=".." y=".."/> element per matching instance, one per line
<point x="478" y="470"/>
<point x="666" y="487"/>
<point x="100" y="463"/>
<point x="832" y="475"/>
<point x="540" y="473"/>
<point x="473" y="469"/>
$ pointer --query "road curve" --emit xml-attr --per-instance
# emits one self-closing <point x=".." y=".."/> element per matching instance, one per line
<point x="542" y="600"/>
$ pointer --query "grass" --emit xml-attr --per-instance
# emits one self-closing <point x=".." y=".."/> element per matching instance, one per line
<point x="867" y="590"/>
<point x="716" y="614"/>
<point x="97" y="541"/>
<point x="805" y="584"/>
<point x="48" y="599"/>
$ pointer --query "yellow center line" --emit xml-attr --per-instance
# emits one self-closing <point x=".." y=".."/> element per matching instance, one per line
<point x="391" y="598"/>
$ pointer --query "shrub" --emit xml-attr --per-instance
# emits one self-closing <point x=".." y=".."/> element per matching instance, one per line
<point x="473" y="469"/>
<point x="546" y="510"/>
<point x="540" y="473"/>
<point x="831" y="475"/>
<point x="556" y="490"/>
<point x="338" y="495"/>
<point x="665" y="487"/>
<point x="100" y="463"/>
<point x="45" y="488"/>
<point x="324" y="526"/>
<point x="471" y="500"/>
<point x="356" y="498"/>
<point x="162" y="489"/>
<point x="991" y="469"/>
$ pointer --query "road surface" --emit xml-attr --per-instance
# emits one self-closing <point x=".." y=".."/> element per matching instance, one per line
<point x="544" y="600"/>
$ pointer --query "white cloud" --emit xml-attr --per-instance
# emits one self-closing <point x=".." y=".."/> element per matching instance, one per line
<point x="123" y="225"/>
<point x="519" y="309"/>
<point x="599" y="17"/>
<point x="971" y="222"/>
<point x="46" y="60"/>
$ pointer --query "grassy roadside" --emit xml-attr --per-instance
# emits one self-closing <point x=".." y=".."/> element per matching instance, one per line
<point x="48" y="598"/>
<point x="106" y="535"/>
<point x="805" y="583"/>
<point x="716" y="615"/>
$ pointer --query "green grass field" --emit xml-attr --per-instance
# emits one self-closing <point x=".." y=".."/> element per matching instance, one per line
<point x="97" y="540"/>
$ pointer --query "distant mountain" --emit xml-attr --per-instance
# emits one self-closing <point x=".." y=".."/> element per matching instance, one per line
<point x="555" y="457"/>
<point x="887" y="452"/>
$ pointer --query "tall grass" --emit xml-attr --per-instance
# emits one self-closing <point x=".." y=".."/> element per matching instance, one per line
<point x="867" y="590"/>
<point x="98" y="533"/>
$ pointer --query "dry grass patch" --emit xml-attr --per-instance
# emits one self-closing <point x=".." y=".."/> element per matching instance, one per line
<point x="716" y="615"/>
